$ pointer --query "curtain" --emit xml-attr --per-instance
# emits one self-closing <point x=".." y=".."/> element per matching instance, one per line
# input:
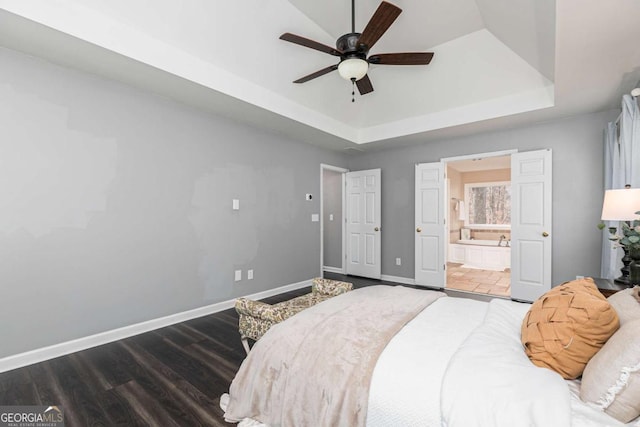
<point x="630" y="140"/>
<point x="620" y="154"/>
<point x="613" y="177"/>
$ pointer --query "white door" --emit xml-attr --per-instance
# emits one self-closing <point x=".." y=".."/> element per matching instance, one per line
<point x="364" y="223"/>
<point x="530" y="224"/>
<point x="430" y="227"/>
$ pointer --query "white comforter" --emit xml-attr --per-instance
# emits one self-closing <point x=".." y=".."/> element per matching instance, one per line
<point x="461" y="363"/>
<point x="406" y="380"/>
<point x="491" y="382"/>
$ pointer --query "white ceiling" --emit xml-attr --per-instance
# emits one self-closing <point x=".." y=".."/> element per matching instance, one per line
<point x="497" y="62"/>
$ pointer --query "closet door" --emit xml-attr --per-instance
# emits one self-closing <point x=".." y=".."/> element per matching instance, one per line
<point x="364" y="223"/>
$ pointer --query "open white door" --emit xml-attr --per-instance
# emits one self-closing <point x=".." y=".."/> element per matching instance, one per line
<point x="530" y="224"/>
<point x="430" y="226"/>
<point x="364" y="223"/>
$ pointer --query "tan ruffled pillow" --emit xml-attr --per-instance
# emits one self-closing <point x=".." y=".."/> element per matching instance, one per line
<point x="566" y="326"/>
<point x="611" y="379"/>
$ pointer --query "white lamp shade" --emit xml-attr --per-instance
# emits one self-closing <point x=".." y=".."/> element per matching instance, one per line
<point x="621" y="205"/>
<point x="353" y="68"/>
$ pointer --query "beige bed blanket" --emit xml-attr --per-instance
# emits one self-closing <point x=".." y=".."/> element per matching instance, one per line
<point x="314" y="369"/>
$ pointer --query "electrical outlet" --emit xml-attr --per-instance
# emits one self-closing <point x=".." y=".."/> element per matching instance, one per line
<point x="249" y="274"/>
<point x="238" y="275"/>
<point x="398" y="261"/>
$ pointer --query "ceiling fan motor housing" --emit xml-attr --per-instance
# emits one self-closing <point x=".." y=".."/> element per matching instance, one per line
<point x="348" y="45"/>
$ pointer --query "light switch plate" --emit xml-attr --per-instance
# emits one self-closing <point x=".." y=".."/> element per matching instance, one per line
<point x="238" y="275"/>
<point x="249" y="274"/>
<point x="330" y="217"/>
<point x="236" y="204"/>
<point x="315" y="217"/>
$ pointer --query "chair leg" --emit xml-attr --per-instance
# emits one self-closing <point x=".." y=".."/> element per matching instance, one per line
<point x="245" y="344"/>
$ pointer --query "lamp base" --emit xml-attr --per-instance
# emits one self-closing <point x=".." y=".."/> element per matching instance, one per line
<point x="626" y="260"/>
<point x="623" y="281"/>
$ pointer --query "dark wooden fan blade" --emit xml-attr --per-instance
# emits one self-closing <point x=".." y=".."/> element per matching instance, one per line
<point x="292" y="38"/>
<point x="379" y="23"/>
<point x="364" y="85"/>
<point x="407" y="58"/>
<point x="317" y="74"/>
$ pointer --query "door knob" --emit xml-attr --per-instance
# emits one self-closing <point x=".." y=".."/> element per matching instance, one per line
<point x="376" y="229"/>
<point x="545" y="234"/>
<point x="418" y="229"/>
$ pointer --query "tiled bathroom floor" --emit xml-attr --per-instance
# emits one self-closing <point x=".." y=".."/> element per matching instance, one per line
<point x="481" y="281"/>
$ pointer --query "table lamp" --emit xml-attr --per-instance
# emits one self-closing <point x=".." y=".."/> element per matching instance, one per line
<point x="622" y="205"/>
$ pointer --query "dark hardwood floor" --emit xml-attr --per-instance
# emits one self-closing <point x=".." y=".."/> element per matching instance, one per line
<point x="172" y="376"/>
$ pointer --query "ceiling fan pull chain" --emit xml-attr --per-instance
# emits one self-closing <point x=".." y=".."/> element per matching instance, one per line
<point x="353" y="90"/>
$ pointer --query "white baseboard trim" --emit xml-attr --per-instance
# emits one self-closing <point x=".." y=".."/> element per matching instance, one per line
<point x="45" y="353"/>
<point x="332" y="269"/>
<point x="398" y="279"/>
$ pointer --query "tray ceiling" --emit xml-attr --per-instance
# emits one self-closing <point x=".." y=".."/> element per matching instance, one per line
<point x="493" y="59"/>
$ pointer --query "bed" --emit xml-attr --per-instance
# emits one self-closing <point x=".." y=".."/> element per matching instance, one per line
<point x="454" y="362"/>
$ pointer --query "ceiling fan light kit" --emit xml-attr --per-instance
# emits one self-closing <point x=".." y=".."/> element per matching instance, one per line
<point x="353" y="69"/>
<point x="353" y="48"/>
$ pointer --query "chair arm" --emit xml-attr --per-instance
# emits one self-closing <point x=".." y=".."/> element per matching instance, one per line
<point x="330" y="287"/>
<point x="258" y="310"/>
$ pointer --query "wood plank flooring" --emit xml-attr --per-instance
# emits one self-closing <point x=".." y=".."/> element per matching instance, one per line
<point x="172" y="376"/>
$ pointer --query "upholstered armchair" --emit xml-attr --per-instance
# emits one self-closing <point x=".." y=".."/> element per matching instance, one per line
<point x="256" y="317"/>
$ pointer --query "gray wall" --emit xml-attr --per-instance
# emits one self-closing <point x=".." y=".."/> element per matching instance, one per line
<point x="115" y="206"/>
<point x="577" y="188"/>
<point x="332" y="205"/>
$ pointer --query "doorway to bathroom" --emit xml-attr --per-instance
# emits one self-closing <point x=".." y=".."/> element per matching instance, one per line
<point x="530" y="238"/>
<point x="478" y="225"/>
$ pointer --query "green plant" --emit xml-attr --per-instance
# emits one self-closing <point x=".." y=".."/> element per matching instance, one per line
<point x="630" y="237"/>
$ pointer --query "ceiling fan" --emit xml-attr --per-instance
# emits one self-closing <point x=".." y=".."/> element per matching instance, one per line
<point x="353" y="48"/>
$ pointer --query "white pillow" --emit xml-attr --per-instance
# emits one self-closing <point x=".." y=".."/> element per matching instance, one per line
<point x="611" y="379"/>
<point x="626" y="305"/>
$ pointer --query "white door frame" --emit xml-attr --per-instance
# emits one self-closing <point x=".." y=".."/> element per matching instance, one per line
<point x="343" y="215"/>
<point x="479" y="156"/>
<point x="446" y="160"/>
